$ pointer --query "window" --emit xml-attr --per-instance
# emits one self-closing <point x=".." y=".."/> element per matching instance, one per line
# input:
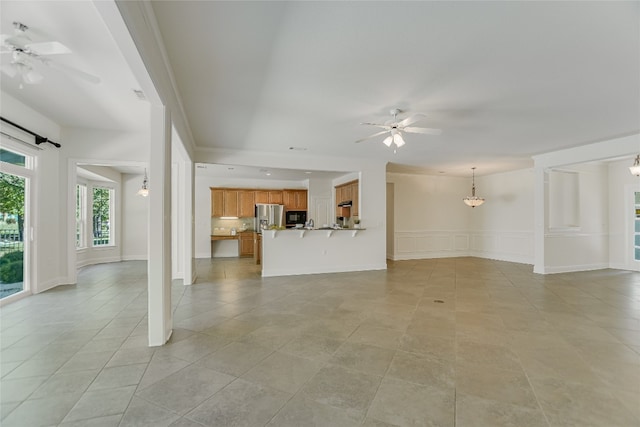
<point x="102" y="216"/>
<point x="12" y="158"/>
<point x="81" y="216"/>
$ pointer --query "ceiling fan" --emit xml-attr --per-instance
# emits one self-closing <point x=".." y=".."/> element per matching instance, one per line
<point x="395" y="128"/>
<point x="27" y="56"/>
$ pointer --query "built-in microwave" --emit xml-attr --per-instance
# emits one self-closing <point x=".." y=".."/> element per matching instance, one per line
<point x="295" y="217"/>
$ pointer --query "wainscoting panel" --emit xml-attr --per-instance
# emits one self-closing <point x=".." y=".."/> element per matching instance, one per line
<point x="513" y="246"/>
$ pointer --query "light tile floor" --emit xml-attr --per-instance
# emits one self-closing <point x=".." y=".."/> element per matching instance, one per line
<point x="464" y="342"/>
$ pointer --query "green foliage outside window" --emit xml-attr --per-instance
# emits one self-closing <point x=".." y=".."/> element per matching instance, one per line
<point x="101" y="216"/>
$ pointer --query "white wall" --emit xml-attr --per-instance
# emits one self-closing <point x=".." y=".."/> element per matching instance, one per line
<point x="585" y="246"/>
<point x="589" y="246"/>
<point x="622" y="185"/>
<point x="134" y="219"/>
<point x="430" y="219"/>
<point x="502" y="228"/>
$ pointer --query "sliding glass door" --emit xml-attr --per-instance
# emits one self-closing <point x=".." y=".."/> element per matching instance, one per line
<point x="15" y="173"/>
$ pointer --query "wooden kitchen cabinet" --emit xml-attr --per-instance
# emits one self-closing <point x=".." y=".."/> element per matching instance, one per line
<point x="261" y="196"/>
<point x="241" y="202"/>
<point x="245" y="242"/>
<point x="246" y="203"/>
<point x="230" y="207"/>
<point x="275" y="197"/>
<point x="355" y="199"/>
<point x="348" y="192"/>
<point x="217" y="202"/>
<point x="295" y="200"/>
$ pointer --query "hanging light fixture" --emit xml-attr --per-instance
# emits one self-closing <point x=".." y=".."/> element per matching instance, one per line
<point x="635" y="169"/>
<point x="473" y="200"/>
<point x="144" y="191"/>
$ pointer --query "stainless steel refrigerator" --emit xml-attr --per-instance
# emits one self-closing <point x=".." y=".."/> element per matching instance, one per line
<point x="268" y="215"/>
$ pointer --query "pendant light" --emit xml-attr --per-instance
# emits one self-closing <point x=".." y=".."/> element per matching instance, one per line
<point x="144" y="191"/>
<point x="635" y="169"/>
<point x="473" y="200"/>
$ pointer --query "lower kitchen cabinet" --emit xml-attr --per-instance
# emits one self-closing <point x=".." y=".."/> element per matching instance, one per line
<point x="245" y="242"/>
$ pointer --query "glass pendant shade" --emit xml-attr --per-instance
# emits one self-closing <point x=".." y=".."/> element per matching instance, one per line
<point x="397" y="139"/>
<point x="635" y="169"/>
<point x="387" y="141"/>
<point x="473" y="200"/>
<point x="144" y="191"/>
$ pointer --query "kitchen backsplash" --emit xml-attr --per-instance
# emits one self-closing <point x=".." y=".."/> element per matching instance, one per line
<point x="222" y="225"/>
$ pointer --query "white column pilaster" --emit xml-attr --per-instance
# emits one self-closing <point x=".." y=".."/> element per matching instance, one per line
<point x="159" y="264"/>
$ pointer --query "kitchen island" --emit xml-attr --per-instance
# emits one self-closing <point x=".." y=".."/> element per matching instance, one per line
<point x="310" y="251"/>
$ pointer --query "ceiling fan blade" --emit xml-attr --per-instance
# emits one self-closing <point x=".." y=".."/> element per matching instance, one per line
<point x="373" y="136"/>
<point x="74" y="71"/>
<point x="387" y="127"/>
<point x="411" y="119"/>
<point x="48" y="48"/>
<point x="427" y="131"/>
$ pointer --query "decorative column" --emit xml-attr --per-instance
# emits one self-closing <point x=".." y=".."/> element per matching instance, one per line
<point x="159" y="240"/>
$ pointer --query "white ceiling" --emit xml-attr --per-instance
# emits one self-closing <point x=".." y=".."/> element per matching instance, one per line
<point x="503" y="80"/>
<point x="66" y="99"/>
<point x="267" y="174"/>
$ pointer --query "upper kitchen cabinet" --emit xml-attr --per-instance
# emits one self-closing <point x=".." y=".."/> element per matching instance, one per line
<point x="217" y="202"/>
<point x="295" y="200"/>
<point x="275" y="197"/>
<point x="224" y="202"/>
<point x="246" y="203"/>
<point x="262" y="196"/>
<point x="348" y="192"/>
<point x="355" y="199"/>
<point x="230" y="207"/>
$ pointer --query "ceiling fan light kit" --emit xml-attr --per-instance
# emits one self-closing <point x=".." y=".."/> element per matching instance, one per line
<point x="473" y="200"/>
<point x="25" y="55"/>
<point x="395" y="128"/>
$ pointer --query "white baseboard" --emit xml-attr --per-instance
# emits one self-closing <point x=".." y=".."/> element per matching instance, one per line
<point x="50" y="284"/>
<point x="93" y="261"/>
<point x="303" y="271"/>
<point x="429" y="255"/>
<point x="574" y="268"/>
<point x="141" y="257"/>
<point x="519" y="259"/>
